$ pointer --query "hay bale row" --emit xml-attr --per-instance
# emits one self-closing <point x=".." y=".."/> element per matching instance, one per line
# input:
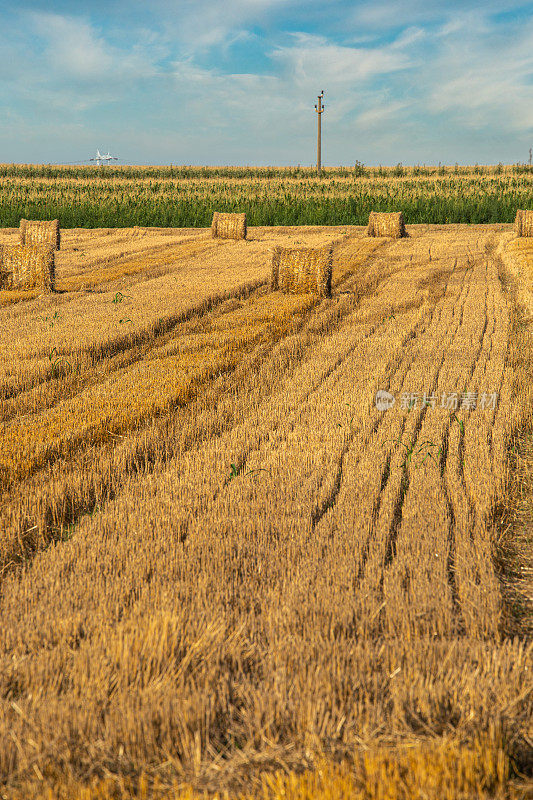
<point x="303" y="269"/>
<point x="386" y="224"/>
<point x="27" y="266"/>
<point x="524" y="223"/>
<point x="228" y="226"/>
<point x="40" y="232"/>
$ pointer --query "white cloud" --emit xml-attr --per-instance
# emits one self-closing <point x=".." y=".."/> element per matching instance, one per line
<point x="482" y="78"/>
<point x="283" y="101"/>
<point x="72" y="46"/>
<point x="76" y="52"/>
<point x="381" y="114"/>
<point x="313" y="61"/>
<point x="199" y="25"/>
<point x="399" y="13"/>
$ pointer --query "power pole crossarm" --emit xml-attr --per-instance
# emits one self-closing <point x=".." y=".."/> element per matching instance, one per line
<point x="319" y="110"/>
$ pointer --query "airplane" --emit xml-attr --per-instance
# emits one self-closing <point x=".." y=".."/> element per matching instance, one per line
<point x="99" y="158"/>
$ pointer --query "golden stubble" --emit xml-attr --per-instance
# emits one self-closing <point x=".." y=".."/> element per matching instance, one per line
<point x="276" y="571"/>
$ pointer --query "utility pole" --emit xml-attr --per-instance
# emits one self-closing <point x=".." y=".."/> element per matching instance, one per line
<point x="530" y="155"/>
<point x="319" y="111"/>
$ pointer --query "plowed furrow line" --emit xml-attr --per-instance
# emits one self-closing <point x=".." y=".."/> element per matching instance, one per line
<point x="391" y="370"/>
<point x="402" y="373"/>
<point x="477" y="560"/>
<point x="392" y="504"/>
<point x="309" y="487"/>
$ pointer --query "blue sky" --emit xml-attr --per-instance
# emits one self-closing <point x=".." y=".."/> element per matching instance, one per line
<point x="216" y="82"/>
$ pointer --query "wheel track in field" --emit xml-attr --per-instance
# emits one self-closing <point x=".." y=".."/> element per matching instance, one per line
<point x="493" y="416"/>
<point x="329" y="500"/>
<point x="494" y="263"/>
<point x="391" y="372"/>
<point x="476" y="363"/>
<point x="471" y="505"/>
<point x="449" y="503"/>
<point x="444" y="456"/>
<point x="450" y="561"/>
<point x="451" y="535"/>
<point x="404" y="482"/>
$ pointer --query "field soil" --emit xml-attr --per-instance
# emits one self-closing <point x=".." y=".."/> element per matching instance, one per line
<point x="224" y="564"/>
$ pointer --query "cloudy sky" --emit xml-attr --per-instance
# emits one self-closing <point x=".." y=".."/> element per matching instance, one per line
<point x="217" y="82"/>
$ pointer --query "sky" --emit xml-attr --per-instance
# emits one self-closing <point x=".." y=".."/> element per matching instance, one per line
<point x="235" y="82"/>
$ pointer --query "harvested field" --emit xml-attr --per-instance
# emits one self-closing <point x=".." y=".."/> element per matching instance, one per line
<point x="220" y="557"/>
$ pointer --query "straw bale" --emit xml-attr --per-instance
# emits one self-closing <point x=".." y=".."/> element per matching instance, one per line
<point x="524" y="223"/>
<point x="40" y="232"/>
<point x="27" y="266"/>
<point x="386" y="224"/>
<point x="303" y="269"/>
<point x="228" y="226"/>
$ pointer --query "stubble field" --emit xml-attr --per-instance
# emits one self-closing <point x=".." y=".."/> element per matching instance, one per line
<point x="223" y="567"/>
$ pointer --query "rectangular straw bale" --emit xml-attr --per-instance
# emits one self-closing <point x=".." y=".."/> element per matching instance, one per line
<point x="303" y="269"/>
<point x="228" y="226"/>
<point x="386" y="224"/>
<point x="27" y="266"/>
<point x="524" y="223"/>
<point x="40" y="232"/>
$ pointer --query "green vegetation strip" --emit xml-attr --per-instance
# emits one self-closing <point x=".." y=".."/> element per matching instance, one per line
<point x="86" y="197"/>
